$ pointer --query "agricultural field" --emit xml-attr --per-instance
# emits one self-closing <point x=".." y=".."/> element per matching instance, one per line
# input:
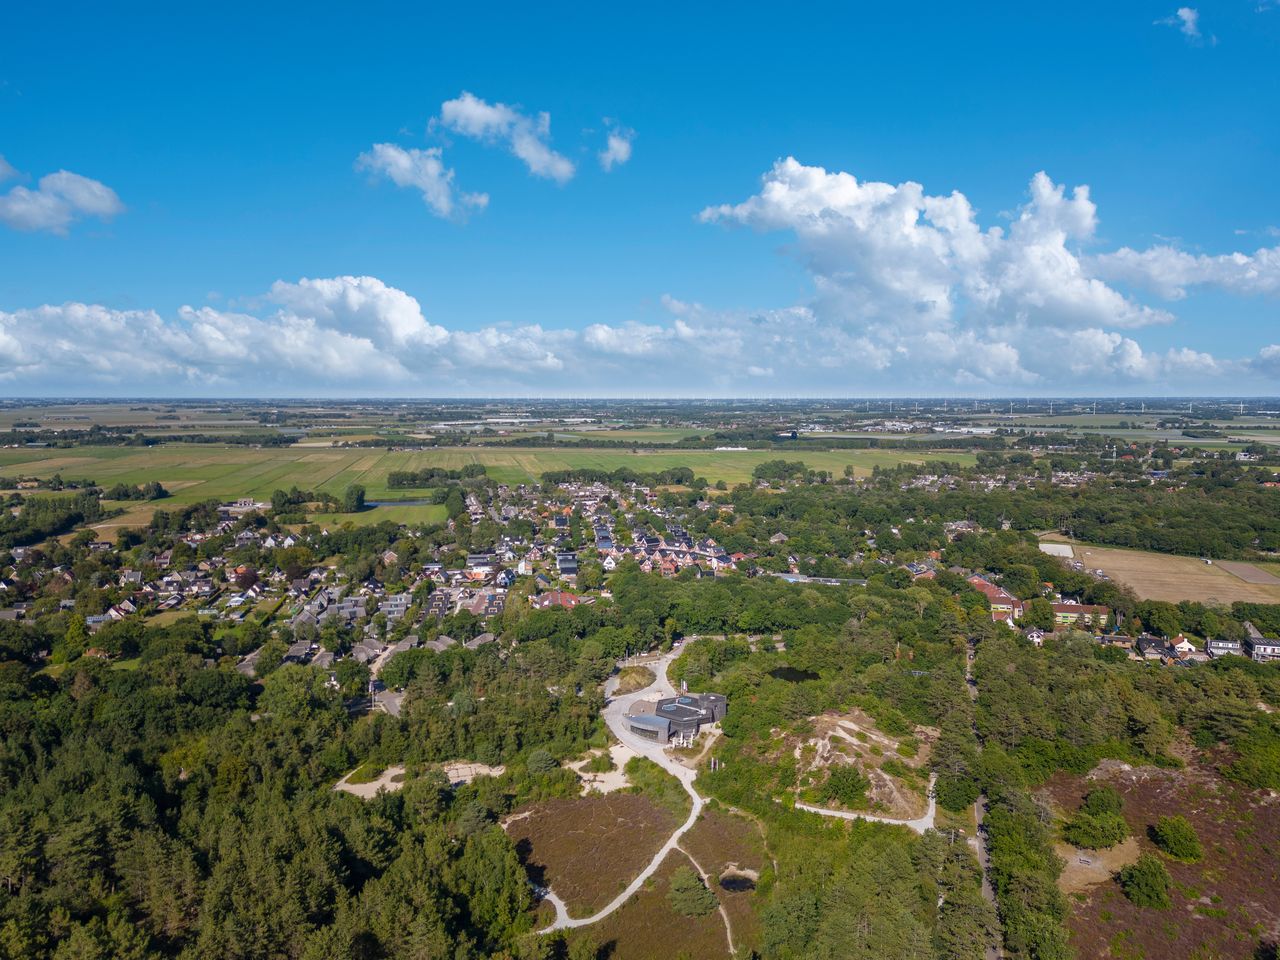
<point x="1160" y="576"/>
<point x="1221" y="905"/>
<point x="193" y="472"/>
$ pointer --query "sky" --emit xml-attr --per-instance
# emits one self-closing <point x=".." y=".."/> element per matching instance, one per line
<point x="584" y="200"/>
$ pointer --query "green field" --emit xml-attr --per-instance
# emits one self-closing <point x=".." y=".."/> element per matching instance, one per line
<point x="193" y="472"/>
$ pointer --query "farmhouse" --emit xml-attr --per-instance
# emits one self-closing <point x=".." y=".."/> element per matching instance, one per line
<point x="676" y="719"/>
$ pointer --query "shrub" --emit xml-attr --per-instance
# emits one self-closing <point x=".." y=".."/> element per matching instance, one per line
<point x="688" y="895"/>
<point x="1095" y="832"/>
<point x="540" y="761"/>
<point x="1178" y="839"/>
<point x="600" y="763"/>
<point x="846" y="785"/>
<point x="1102" y="800"/>
<point x="1146" y="882"/>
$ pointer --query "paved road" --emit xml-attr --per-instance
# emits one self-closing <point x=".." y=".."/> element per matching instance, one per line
<point x="615" y="713"/>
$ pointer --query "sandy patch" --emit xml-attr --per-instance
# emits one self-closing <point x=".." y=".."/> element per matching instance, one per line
<point x="391" y="780"/>
<point x="610" y="780"/>
<point x="464" y="771"/>
<point x="1088" y="868"/>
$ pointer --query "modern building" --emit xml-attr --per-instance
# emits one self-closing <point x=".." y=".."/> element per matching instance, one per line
<point x="1261" y="649"/>
<point x="678" y="719"/>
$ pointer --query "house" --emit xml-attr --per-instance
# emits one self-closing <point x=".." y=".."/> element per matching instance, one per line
<point x="1183" y="645"/>
<point x="1002" y="602"/>
<point x="567" y="564"/>
<point x="1035" y="637"/>
<point x="1260" y="648"/>
<point x="1081" y="614"/>
<point x="1222" y="646"/>
<point x="478" y="642"/>
<point x="555" y="598"/>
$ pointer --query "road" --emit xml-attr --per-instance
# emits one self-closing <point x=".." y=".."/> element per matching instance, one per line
<point x="615" y="714"/>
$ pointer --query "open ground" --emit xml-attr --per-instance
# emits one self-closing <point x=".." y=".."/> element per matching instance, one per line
<point x="1222" y="906"/>
<point x="1160" y="576"/>
<point x="199" y="471"/>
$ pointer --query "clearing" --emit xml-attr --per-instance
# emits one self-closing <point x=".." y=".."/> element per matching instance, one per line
<point x="1162" y="576"/>
<point x="1223" y="906"/>
<point x="897" y="767"/>
<point x="646" y="928"/>
<point x="589" y="848"/>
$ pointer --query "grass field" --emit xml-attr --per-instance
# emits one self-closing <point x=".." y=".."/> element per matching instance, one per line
<point x="1159" y="576"/>
<point x="193" y="472"/>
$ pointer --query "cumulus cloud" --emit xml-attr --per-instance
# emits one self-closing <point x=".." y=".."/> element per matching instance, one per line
<point x="59" y="200"/>
<point x="527" y="137"/>
<point x="423" y="170"/>
<point x="1168" y="271"/>
<point x="1186" y="19"/>
<point x="617" y="147"/>
<point x="893" y="253"/>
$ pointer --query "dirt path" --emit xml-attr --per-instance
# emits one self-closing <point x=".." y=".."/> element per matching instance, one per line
<point x="994" y="951"/>
<point x="710" y="881"/>
<point x="919" y="824"/>
<point x="615" y="714"/>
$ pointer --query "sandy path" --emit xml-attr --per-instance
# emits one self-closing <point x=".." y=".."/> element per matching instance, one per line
<point x="615" y="713"/>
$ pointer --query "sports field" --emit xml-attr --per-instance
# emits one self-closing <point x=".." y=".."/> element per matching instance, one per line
<point x="193" y="472"/>
<point x="1159" y="576"/>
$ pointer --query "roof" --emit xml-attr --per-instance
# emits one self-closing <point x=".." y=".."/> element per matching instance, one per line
<point x="648" y="720"/>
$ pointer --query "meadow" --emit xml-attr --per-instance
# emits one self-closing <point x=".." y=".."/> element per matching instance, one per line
<point x="193" y="472"/>
<point x="1160" y="576"/>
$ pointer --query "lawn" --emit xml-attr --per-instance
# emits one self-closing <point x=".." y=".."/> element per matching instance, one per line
<point x="193" y="472"/>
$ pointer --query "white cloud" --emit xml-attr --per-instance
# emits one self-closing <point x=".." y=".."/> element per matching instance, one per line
<point x="423" y="170"/>
<point x="1168" y="272"/>
<point x="880" y="252"/>
<point x="59" y="200"/>
<point x="617" y="148"/>
<point x="525" y="136"/>
<point x="6" y="170"/>
<point x="1186" y="19"/>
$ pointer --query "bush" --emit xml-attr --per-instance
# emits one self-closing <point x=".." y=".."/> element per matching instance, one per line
<point x="1146" y="882"/>
<point x="1102" y="800"/>
<point x="1095" y="832"/>
<point x="688" y="895"/>
<point x="600" y="763"/>
<point x="540" y="761"/>
<point x="846" y="785"/>
<point x="1178" y="839"/>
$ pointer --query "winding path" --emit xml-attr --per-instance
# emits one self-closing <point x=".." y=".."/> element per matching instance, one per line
<point x="919" y="824"/>
<point x="615" y="714"/>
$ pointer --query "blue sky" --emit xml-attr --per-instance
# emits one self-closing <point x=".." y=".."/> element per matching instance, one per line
<point x="244" y="245"/>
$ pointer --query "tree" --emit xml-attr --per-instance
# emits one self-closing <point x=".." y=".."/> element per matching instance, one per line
<point x="688" y="895"/>
<point x="353" y="499"/>
<point x="1177" y="838"/>
<point x="541" y="761"/>
<point x="1038" y="612"/>
<point x="1146" y="882"/>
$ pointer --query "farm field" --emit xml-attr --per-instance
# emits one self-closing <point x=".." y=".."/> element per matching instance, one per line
<point x="1160" y="576"/>
<point x="193" y="472"/>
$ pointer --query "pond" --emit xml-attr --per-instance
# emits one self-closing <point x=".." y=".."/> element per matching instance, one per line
<point x="792" y="675"/>
<point x="737" y="883"/>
